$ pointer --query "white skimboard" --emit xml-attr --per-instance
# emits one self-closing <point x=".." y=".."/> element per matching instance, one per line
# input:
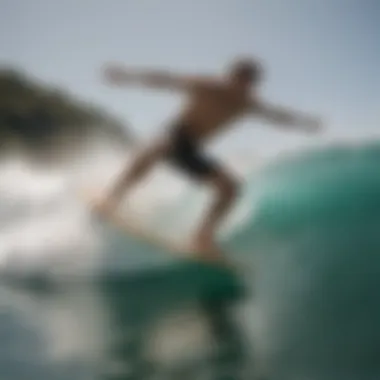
<point x="135" y="230"/>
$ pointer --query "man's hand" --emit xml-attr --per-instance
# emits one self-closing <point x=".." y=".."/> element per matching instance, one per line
<point x="116" y="75"/>
<point x="286" y="117"/>
<point x="313" y="125"/>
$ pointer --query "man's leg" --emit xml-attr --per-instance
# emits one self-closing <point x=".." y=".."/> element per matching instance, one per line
<point x="135" y="172"/>
<point x="226" y="188"/>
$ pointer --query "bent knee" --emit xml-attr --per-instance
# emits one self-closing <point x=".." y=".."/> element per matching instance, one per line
<point x="228" y="187"/>
<point x="153" y="152"/>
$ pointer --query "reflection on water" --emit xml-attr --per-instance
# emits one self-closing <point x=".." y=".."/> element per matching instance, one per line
<point x="135" y="327"/>
<point x="49" y="334"/>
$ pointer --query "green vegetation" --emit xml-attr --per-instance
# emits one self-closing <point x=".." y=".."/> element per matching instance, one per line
<point x="42" y="121"/>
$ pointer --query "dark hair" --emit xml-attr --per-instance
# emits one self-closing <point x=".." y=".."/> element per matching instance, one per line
<point x="248" y="68"/>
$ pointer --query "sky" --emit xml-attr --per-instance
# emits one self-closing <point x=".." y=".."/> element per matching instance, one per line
<point x="321" y="56"/>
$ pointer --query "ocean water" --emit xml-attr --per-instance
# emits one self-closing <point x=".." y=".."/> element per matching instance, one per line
<point x="79" y="300"/>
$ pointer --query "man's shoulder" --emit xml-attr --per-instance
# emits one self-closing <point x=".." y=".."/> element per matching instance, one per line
<point x="214" y="83"/>
<point x="254" y="101"/>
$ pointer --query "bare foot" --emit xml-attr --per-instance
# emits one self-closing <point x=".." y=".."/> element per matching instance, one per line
<point x="209" y="252"/>
<point x="103" y="204"/>
<point x="206" y="247"/>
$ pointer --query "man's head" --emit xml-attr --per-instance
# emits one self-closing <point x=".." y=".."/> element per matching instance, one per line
<point x="246" y="72"/>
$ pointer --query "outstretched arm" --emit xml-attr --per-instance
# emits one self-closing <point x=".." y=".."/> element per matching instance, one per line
<point x="285" y="117"/>
<point x="122" y="76"/>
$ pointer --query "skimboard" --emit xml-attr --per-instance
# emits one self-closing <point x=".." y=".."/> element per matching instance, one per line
<point x="134" y="229"/>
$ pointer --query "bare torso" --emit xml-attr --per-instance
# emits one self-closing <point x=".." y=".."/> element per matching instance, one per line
<point x="209" y="112"/>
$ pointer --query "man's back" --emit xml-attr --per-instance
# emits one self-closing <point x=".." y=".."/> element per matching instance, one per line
<point x="211" y="108"/>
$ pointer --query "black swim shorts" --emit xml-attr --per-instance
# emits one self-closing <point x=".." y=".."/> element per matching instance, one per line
<point x="186" y="155"/>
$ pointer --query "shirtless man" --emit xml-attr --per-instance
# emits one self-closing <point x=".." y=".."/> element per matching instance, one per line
<point x="213" y="104"/>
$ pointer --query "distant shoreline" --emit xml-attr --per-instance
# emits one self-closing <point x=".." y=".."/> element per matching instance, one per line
<point x="38" y="119"/>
